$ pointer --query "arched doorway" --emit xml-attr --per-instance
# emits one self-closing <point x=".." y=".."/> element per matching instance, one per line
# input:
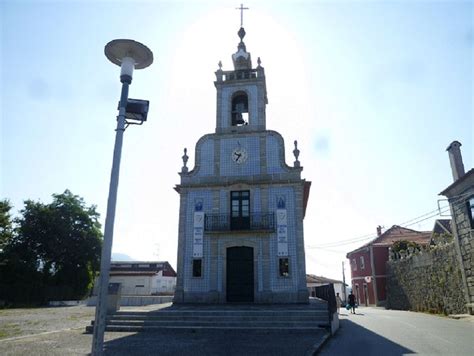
<point x="240" y="278"/>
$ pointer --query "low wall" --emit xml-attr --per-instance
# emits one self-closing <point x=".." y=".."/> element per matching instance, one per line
<point x="137" y="300"/>
<point x="428" y="281"/>
<point x="66" y="303"/>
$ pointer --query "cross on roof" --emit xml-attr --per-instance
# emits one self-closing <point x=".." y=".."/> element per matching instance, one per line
<point x="241" y="8"/>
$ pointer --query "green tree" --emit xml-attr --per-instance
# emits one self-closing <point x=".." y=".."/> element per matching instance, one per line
<point x="439" y="239"/>
<point x="5" y="222"/>
<point x="57" y="246"/>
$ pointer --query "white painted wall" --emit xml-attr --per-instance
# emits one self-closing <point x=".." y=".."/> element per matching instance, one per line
<point x="133" y="285"/>
<point x="156" y="284"/>
<point x="152" y="285"/>
<point x="162" y="284"/>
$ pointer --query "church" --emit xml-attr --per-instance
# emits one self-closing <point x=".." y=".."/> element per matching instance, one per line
<point x="242" y="207"/>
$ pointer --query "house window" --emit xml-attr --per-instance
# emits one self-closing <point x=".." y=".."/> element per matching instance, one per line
<point x="284" y="267"/>
<point x="197" y="267"/>
<point x="470" y="211"/>
<point x="362" y="262"/>
<point x="240" y="210"/>
<point x="139" y="285"/>
<point x="354" y="264"/>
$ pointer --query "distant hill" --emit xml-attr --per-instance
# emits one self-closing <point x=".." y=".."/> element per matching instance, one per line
<point x="117" y="256"/>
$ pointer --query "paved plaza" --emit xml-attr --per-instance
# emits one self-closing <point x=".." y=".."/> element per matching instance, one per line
<point x="60" y="331"/>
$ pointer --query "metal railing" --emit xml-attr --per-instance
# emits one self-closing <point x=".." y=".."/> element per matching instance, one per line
<point x="255" y="221"/>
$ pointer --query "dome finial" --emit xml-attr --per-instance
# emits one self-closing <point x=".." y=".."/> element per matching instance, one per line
<point x="241" y="58"/>
<point x="241" y="34"/>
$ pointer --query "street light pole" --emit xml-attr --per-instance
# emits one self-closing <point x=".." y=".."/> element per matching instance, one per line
<point x="129" y="55"/>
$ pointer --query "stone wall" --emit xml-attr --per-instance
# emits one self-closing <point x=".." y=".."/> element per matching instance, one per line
<point x="465" y="242"/>
<point x="427" y="281"/>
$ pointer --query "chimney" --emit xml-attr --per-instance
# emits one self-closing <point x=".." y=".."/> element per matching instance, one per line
<point x="455" y="158"/>
<point x="379" y="230"/>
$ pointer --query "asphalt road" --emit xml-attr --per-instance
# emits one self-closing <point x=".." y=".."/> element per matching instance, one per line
<point x="376" y="331"/>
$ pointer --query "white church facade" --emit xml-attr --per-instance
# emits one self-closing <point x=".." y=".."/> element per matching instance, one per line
<point x="241" y="206"/>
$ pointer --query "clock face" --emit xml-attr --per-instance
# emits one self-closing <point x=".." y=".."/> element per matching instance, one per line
<point x="239" y="155"/>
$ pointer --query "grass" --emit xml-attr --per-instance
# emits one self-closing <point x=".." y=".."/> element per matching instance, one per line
<point x="34" y="323"/>
<point x="9" y="330"/>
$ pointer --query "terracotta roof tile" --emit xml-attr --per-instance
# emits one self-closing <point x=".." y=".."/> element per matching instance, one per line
<point x="397" y="233"/>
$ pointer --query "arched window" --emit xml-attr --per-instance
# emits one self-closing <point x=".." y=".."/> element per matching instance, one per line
<point x="240" y="109"/>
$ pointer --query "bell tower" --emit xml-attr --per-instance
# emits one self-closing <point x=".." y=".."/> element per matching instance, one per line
<point x="242" y="206"/>
<point x="241" y="94"/>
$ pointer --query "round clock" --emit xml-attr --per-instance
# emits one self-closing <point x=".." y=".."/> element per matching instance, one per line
<point x="239" y="155"/>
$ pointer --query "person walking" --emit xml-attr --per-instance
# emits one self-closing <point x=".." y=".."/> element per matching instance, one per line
<point x="352" y="303"/>
<point x="338" y="302"/>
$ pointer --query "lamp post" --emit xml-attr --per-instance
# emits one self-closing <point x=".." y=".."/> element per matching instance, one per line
<point x="129" y="55"/>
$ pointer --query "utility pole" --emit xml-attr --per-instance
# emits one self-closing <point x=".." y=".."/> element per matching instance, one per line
<point x="344" y="282"/>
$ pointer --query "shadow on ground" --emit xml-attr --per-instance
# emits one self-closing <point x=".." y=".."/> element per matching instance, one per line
<point x="200" y="343"/>
<point x="353" y="339"/>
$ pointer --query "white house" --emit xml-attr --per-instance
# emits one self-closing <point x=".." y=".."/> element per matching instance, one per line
<point x="313" y="281"/>
<point x="143" y="277"/>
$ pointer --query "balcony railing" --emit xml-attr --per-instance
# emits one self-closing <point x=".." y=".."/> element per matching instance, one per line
<point x="241" y="74"/>
<point x="254" y="222"/>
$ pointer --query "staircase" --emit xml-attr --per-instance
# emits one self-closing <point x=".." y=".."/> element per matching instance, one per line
<point x="193" y="318"/>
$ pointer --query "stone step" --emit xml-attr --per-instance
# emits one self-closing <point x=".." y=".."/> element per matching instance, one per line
<point x="223" y="313"/>
<point x="220" y="317"/>
<point x="231" y="308"/>
<point x="213" y="329"/>
<point x="256" y="318"/>
<point x="190" y="314"/>
<point x="143" y="323"/>
<point x="222" y="323"/>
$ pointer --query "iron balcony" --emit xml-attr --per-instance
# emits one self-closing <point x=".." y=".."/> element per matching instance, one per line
<point x="253" y="222"/>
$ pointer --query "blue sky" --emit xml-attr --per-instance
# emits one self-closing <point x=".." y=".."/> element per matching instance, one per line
<point x="373" y="91"/>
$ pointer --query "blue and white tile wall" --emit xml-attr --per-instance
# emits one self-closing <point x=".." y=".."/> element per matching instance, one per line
<point x="207" y="158"/>
<point x="273" y="155"/>
<point x="256" y="200"/>
<point x="224" y="201"/>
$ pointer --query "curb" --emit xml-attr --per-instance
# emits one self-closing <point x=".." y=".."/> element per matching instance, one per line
<point x="461" y="317"/>
<point x="319" y="345"/>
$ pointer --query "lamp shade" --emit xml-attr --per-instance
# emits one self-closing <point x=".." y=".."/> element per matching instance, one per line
<point x="120" y="50"/>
